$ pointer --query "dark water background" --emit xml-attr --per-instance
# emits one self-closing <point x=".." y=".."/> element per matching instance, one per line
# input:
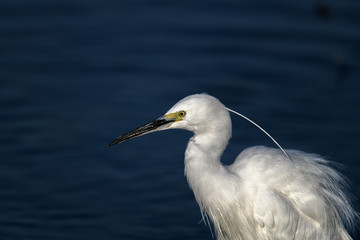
<point x="76" y="74"/>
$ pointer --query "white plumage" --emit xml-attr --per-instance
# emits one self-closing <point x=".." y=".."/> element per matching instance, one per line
<point x="263" y="194"/>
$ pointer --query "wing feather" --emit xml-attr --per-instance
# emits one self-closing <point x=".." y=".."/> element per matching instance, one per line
<point x="303" y="199"/>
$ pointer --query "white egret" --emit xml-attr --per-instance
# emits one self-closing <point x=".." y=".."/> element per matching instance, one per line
<point x="264" y="194"/>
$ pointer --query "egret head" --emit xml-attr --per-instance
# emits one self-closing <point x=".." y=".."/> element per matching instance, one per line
<point x="199" y="113"/>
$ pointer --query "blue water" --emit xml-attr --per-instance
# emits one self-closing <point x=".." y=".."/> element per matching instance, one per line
<point x="76" y="74"/>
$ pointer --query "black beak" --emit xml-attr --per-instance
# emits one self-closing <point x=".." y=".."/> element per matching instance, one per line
<point x="149" y="127"/>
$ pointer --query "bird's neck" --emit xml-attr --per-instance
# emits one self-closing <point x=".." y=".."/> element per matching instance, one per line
<point x="204" y="149"/>
<point x="202" y="164"/>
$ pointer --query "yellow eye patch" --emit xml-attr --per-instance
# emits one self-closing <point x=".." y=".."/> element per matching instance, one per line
<point x="177" y="116"/>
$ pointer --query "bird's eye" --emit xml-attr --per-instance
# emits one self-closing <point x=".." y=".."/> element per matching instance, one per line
<point x="181" y="114"/>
